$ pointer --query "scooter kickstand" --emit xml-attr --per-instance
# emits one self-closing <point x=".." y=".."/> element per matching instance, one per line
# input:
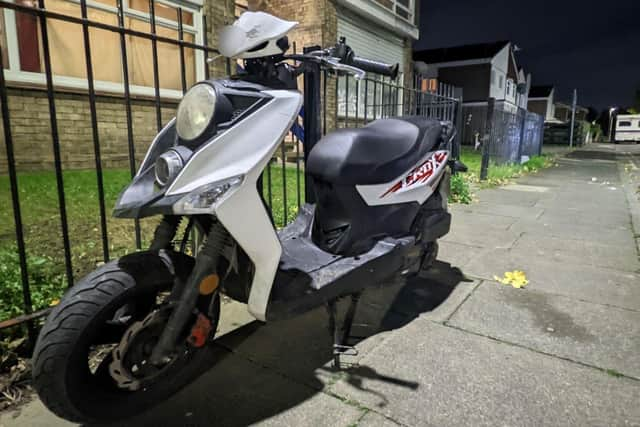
<point x="340" y="341"/>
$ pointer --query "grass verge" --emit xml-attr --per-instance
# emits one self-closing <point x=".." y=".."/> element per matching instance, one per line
<point x="42" y="230"/>
<point x="500" y="174"/>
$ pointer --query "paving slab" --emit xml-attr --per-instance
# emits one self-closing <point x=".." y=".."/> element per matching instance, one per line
<point x="604" y="217"/>
<point x="237" y="392"/>
<point x="574" y="231"/>
<point x="481" y="219"/>
<point x="497" y="209"/>
<point x="555" y="325"/>
<point x="612" y="254"/>
<point x="585" y="200"/>
<point x="373" y="419"/>
<point x="234" y="393"/>
<point x="430" y="374"/>
<point x="582" y="282"/>
<point x="301" y="348"/>
<point x="484" y="230"/>
<point x="458" y="254"/>
<point x="32" y="414"/>
<point x="518" y="198"/>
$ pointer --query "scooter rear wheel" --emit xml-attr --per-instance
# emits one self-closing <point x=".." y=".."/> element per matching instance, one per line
<point x="81" y="387"/>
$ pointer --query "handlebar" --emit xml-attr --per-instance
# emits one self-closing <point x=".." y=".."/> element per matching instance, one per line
<point x="342" y="58"/>
<point x="390" y="70"/>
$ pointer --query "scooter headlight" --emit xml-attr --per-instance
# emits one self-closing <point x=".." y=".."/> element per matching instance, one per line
<point x="195" y="111"/>
<point x="167" y="167"/>
<point x="203" y="199"/>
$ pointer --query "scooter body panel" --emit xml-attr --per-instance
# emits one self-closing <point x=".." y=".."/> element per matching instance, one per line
<point x="309" y="277"/>
<point x="415" y="185"/>
<point x="246" y="149"/>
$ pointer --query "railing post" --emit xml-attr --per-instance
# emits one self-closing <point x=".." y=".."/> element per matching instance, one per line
<point x="458" y="123"/>
<point x="522" y="112"/>
<point x="311" y="121"/>
<point x="486" y="141"/>
<point x="15" y="200"/>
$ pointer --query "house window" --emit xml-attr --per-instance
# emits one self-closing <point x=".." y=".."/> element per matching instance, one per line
<point x="382" y="98"/>
<point x="429" y="85"/>
<point x="501" y="82"/>
<point x="493" y="77"/>
<point x="68" y="55"/>
<point x="402" y="8"/>
<point x="624" y="124"/>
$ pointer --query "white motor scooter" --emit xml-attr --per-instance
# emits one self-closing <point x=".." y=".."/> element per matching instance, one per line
<point x="380" y="205"/>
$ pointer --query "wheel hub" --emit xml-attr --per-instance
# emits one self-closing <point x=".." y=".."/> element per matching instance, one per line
<point x="130" y="367"/>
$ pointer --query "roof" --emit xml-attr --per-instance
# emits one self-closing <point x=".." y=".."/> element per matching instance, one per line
<point x="540" y="91"/>
<point x="460" y="53"/>
<point x="569" y="106"/>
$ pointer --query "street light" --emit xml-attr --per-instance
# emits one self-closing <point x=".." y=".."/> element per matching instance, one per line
<point x="611" y="110"/>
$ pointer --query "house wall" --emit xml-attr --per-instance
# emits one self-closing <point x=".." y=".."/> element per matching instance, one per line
<point x="538" y="107"/>
<point x="473" y="79"/>
<point x="543" y="106"/>
<point x="563" y="112"/>
<point x="30" y="125"/>
<point x="499" y="70"/>
<point x="319" y="25"/>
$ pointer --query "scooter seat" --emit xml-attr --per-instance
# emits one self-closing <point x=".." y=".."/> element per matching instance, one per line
<point x="376" y="153"/>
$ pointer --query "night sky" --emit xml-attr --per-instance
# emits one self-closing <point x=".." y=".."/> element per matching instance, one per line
<point x="591" y="46"/>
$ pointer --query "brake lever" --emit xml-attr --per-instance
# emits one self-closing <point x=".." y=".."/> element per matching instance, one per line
<point x="320" y="57"/>
<point x="337" y="65"/>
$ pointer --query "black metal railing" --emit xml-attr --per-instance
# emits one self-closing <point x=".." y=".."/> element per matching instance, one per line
<point x="44" y="16"/>
<point x="343" y="102"/>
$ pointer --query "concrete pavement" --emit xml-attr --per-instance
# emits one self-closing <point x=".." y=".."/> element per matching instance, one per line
<point x="456" y="348"/>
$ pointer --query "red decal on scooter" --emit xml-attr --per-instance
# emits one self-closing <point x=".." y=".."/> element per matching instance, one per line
<point x="421" y="173"/>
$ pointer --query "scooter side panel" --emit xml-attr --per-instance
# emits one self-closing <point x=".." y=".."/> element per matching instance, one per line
<point x="415" y="185"/>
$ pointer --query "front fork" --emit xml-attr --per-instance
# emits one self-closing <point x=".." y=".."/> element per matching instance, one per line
<point x="204" y="271"/>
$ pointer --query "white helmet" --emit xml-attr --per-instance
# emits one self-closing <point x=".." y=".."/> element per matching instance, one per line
<point x="255" y="35"/>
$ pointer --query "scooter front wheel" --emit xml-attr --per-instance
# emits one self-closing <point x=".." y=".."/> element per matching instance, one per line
<point x="90" y="361"/>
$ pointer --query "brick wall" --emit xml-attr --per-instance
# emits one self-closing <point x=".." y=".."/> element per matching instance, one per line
<point x="31" y="131"/>
<point x="218" y="13"/>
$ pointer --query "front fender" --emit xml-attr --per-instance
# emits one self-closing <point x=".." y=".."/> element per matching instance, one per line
<point x="153" y="271"/>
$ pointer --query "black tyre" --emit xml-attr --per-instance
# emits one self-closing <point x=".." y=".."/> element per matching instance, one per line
<point x="76" y="383"/>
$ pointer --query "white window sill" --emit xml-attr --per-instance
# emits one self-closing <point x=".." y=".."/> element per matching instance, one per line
<point x="73" y="84"/>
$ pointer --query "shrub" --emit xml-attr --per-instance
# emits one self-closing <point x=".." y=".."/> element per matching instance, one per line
<point x="460" y="190"/>
<point x="45" y="283"/>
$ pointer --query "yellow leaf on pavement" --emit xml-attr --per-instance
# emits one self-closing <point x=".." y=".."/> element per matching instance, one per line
<point x="515" y="278"/>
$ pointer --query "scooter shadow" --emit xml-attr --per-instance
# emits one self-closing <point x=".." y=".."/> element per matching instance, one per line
<point x="265" y="370"/>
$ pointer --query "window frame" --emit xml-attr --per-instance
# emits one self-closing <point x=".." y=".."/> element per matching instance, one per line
<point x="13" y="73"/>
<point x="386" y="110"/>
<point x="394" y="5"/>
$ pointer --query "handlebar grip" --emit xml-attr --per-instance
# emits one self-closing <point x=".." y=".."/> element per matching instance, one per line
<point x="376" y="67"/>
